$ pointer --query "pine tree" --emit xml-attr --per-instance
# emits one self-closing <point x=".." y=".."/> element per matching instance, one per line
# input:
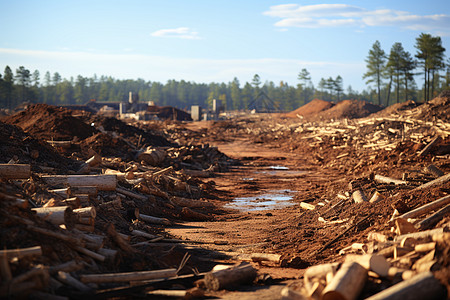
<point x="375" y="65"/>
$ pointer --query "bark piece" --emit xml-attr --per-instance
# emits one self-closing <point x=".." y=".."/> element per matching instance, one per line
<point x="421" y="286"/>
<point x="230" y="277"/>
<point x="432" y="169"/>
<point x="15" y="171"/>
<point x="347" y="283"/>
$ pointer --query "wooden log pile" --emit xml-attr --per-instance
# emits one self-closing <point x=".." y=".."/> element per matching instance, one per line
<point x="108" y="210"/>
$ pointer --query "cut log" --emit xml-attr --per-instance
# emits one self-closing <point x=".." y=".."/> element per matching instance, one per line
<point x="84" y="190"/>
<point x="110" y="254"/>
<point x="376" y="236"/>
<point x="421" y="286"/>
<point x="231" y="277"/>
<point x="265" y="257"/>
<point x="143" y="234"/>
<point x="5" y="270"/>
<point x="70" y="266"/>
<point x="154" y="220"/>
<point x="73" y="282"/>
<point x="73" y="202"/>
<point x="372" y="262"/>
<point x="64" y="193"/>
<point x="185" y="202"/>
<point x="15" y="171"/>
<point x="90" y="253"/>
<point x="359" y="196"/>
<point x="101" y="182"/>
<point x="425" y="247"/>
<point x="426" y="208"/>
<point x="437" y="182"/>
<point x="57" y="215"/>
<point x="347" y="283"/>
<point x="131" y="194"/>
<point x="434" y="218"/>
<point x="91" y="162"/>
<point x="56" y="235"/>
<point x="388" y="180"/>
<point x="320" y="271"/>
<point x="117" y="237"/>
<point x="8" y="200"/>
<point x="19" y="253"/>
<point x="85" y="212"/>
<point x="428" y="147"/>
<point x="307" y="206"/>
<point x="289" y="294"/>
<point x="420" y="234"/>
<point x="61" y="144"/>
<point x="189" y="214"/>
<point x="129" y="276"/>
<point x="153" y="157"/>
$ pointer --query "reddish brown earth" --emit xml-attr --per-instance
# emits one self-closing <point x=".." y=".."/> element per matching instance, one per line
<point x="310" y="162"/>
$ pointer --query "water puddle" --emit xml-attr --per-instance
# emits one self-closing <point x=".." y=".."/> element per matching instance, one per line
<point x="275" y="199"/>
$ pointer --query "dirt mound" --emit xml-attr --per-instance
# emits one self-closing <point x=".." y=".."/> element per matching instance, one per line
<point x="169" y="112"/>
<point x="397" y="108"/>
<point x="50" y="122"/>
<point x="351" y="109"/>
<point x="24" y="149"/>
<point x="133" y="134"/>
<point x="437" y="108"/>
<point x="313" y="107"/>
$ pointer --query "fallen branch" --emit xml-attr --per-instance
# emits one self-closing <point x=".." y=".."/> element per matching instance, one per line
<point x="15" y="171"/>
<point x="128" y="276"/>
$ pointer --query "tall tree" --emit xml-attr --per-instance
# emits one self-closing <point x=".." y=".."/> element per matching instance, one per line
<point x="8" y="86"/>
<point x="408" y="64"/>
<point x="235" y="92"/>
<point x="431" y="55"/>
<point x="23" y="78"/>
<point x="375" y="64"/>
<point x="395" y="62"/>
<point x="305" y="82"/>
<point x="339" y="86"/>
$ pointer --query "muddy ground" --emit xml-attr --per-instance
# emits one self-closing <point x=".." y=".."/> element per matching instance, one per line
<point x="263" y="171"/>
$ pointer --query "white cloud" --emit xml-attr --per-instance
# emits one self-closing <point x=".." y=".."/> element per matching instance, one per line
<point x="338" y="15"/>
<point x="180" y="33"/>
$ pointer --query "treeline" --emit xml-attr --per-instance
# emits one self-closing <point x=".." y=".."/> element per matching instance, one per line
<point x="26" y="86"/>
<point x="393" y="75"/>
<point x="390" y="79"/>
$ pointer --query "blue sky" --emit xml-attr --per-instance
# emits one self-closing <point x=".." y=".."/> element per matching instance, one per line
<point x="211" y="41"/>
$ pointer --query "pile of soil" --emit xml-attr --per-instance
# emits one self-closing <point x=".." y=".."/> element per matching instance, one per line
<point x="437" y="108"/>
<point x="50" y="122"/>
<point x="350" y="109"/>
<point x="133" y="134"/>
<point x="25" y="149"/>
<point x="169" y="113"/>
<point x="313" y="107"/>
